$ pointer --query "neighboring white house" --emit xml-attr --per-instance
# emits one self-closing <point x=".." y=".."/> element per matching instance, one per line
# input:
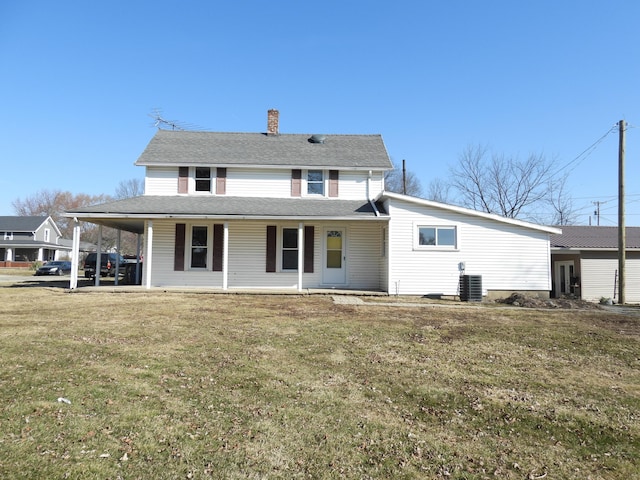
<point x="585" y="263"/>
<point x="301" y="211"/>
<point x="27" y="239"/>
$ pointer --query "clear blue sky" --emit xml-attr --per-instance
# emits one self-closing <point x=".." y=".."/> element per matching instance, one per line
<point x="80" y="79"/>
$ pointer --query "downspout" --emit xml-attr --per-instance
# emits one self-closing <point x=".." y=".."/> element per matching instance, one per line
<point x="371" y="202"/>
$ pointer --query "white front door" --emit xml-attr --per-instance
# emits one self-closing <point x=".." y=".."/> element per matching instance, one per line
<point x="334" y="270"/>
<point x="564" y="274"/>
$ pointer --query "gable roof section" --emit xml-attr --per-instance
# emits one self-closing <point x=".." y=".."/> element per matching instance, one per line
<point x="21" y="224"/>
<point x="174" y="148"/>
<point x="130" y="213"/>
<point x="469" y="212"/>
<point x="594" y="238"/>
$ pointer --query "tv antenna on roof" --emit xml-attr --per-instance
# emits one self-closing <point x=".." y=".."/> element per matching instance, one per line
<point x="164" y="124"/>
<point x="161" y="123"/>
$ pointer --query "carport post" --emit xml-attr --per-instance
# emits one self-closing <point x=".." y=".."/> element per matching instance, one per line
<point x="98" y="259"/>
<point x="147" y="257"/>
<point x="115" y="280"/>
<point x="75" y="255"/>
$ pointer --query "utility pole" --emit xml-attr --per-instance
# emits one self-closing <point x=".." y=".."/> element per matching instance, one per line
<point x="597" y="212"/>
<point x="404" y="178"/>
<point x="621" y="226"/>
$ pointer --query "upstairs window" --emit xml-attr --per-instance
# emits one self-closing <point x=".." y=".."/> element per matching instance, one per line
<point x="315" y="182"/>
<point x="47" y="235"/>
<point x="8" y="235"/>
<point x="203" y="179"/>
<point x="436" y="236"/>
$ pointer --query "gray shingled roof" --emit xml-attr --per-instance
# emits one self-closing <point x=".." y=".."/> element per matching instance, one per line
<point x="592" y="237"/>
<point x="21" y="224"/>
<point x="189" y="148"/>
<point x="222" y="206"/>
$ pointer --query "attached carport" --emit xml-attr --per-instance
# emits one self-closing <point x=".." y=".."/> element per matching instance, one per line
<point x="131" y="224"/>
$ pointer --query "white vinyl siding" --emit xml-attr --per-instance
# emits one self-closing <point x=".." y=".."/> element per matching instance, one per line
<point x="364" y="250"/>
<point x="508" y="257"/>
<point x="161" y="181"/>
<point x="256" y="182"/>
<point x="598" y="276"/>
<point x="247" y="257"/>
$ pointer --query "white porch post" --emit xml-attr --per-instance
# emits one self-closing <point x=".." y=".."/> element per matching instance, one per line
<point x="300" y="254"/>
<point x="115" y="280"/>
<point x="98" y="259"/>
<point x="40" y="254"/>
<point x="147" y="257"/>
<point x="75" y="255"/>
<point x="138" y="272"/>
<point x="225" y="257"/>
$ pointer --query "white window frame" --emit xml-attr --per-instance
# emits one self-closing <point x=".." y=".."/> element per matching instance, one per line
<point x="208" y="246"/>
<point x="418" y="246"/>
<point x="322" y="182"/>
<point x="8" y="235"/>
<point x="210" y="179"/>
<point x="281" y="249"/>
<point x="47" y="235"/>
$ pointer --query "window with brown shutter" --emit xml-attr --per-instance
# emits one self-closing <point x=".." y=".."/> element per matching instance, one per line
<point x="178" y="256"/>
<point x="218" y="245"/>
<point x="271" y="248"/>
<point x="296" y="183"/>
<point x="333" y="183"/>
<point x="221" y="181"/>
<point x="183" y="180"/>
<point x="308" y="248"/>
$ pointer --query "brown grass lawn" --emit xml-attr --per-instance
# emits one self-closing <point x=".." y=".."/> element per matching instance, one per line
<point x="180" y="385"/>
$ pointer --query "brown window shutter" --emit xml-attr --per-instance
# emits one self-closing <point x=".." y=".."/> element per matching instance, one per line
<point x="308" y="248"/>
<point x="271" y="248"/>
<point x="296" y="183"/>
<point x="218" y="246"/>
<point x="178" y="259"/>
<point x="333" y="183"/>
<point x="183" y="179"/>
<point x="221" y="181"/>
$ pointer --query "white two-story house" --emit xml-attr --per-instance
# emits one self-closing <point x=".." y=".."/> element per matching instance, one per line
<point x="300" y="211"/>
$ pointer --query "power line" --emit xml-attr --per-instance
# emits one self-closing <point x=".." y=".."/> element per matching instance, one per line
<point x="588" y="151"/>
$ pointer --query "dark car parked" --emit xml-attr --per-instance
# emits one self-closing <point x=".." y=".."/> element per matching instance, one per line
<point x="107" y="264"/>
<point x="56" y="267"/>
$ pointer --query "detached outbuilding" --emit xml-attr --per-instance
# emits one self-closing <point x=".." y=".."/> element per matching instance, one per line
<point x="585" y="263"/>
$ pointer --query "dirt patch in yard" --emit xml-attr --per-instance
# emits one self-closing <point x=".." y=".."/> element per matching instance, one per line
<point x="520" y="300"/>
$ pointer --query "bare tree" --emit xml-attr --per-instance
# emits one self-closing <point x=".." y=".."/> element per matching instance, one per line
<point x="438" y="191"/>
<point x="54" y="203"/>
<point x="561" y="204"/>
<point x="129" y="188"/>
<point x="395" y="181"/>
<point x="500" y="184"/>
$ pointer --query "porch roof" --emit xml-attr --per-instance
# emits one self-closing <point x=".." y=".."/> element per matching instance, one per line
<point x="129" y="214"/>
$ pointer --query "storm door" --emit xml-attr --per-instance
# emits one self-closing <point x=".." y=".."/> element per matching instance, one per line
<point x="334" y="270"/>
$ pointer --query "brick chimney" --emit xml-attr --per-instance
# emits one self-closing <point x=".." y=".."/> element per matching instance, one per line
<point x="272" y="122"/>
